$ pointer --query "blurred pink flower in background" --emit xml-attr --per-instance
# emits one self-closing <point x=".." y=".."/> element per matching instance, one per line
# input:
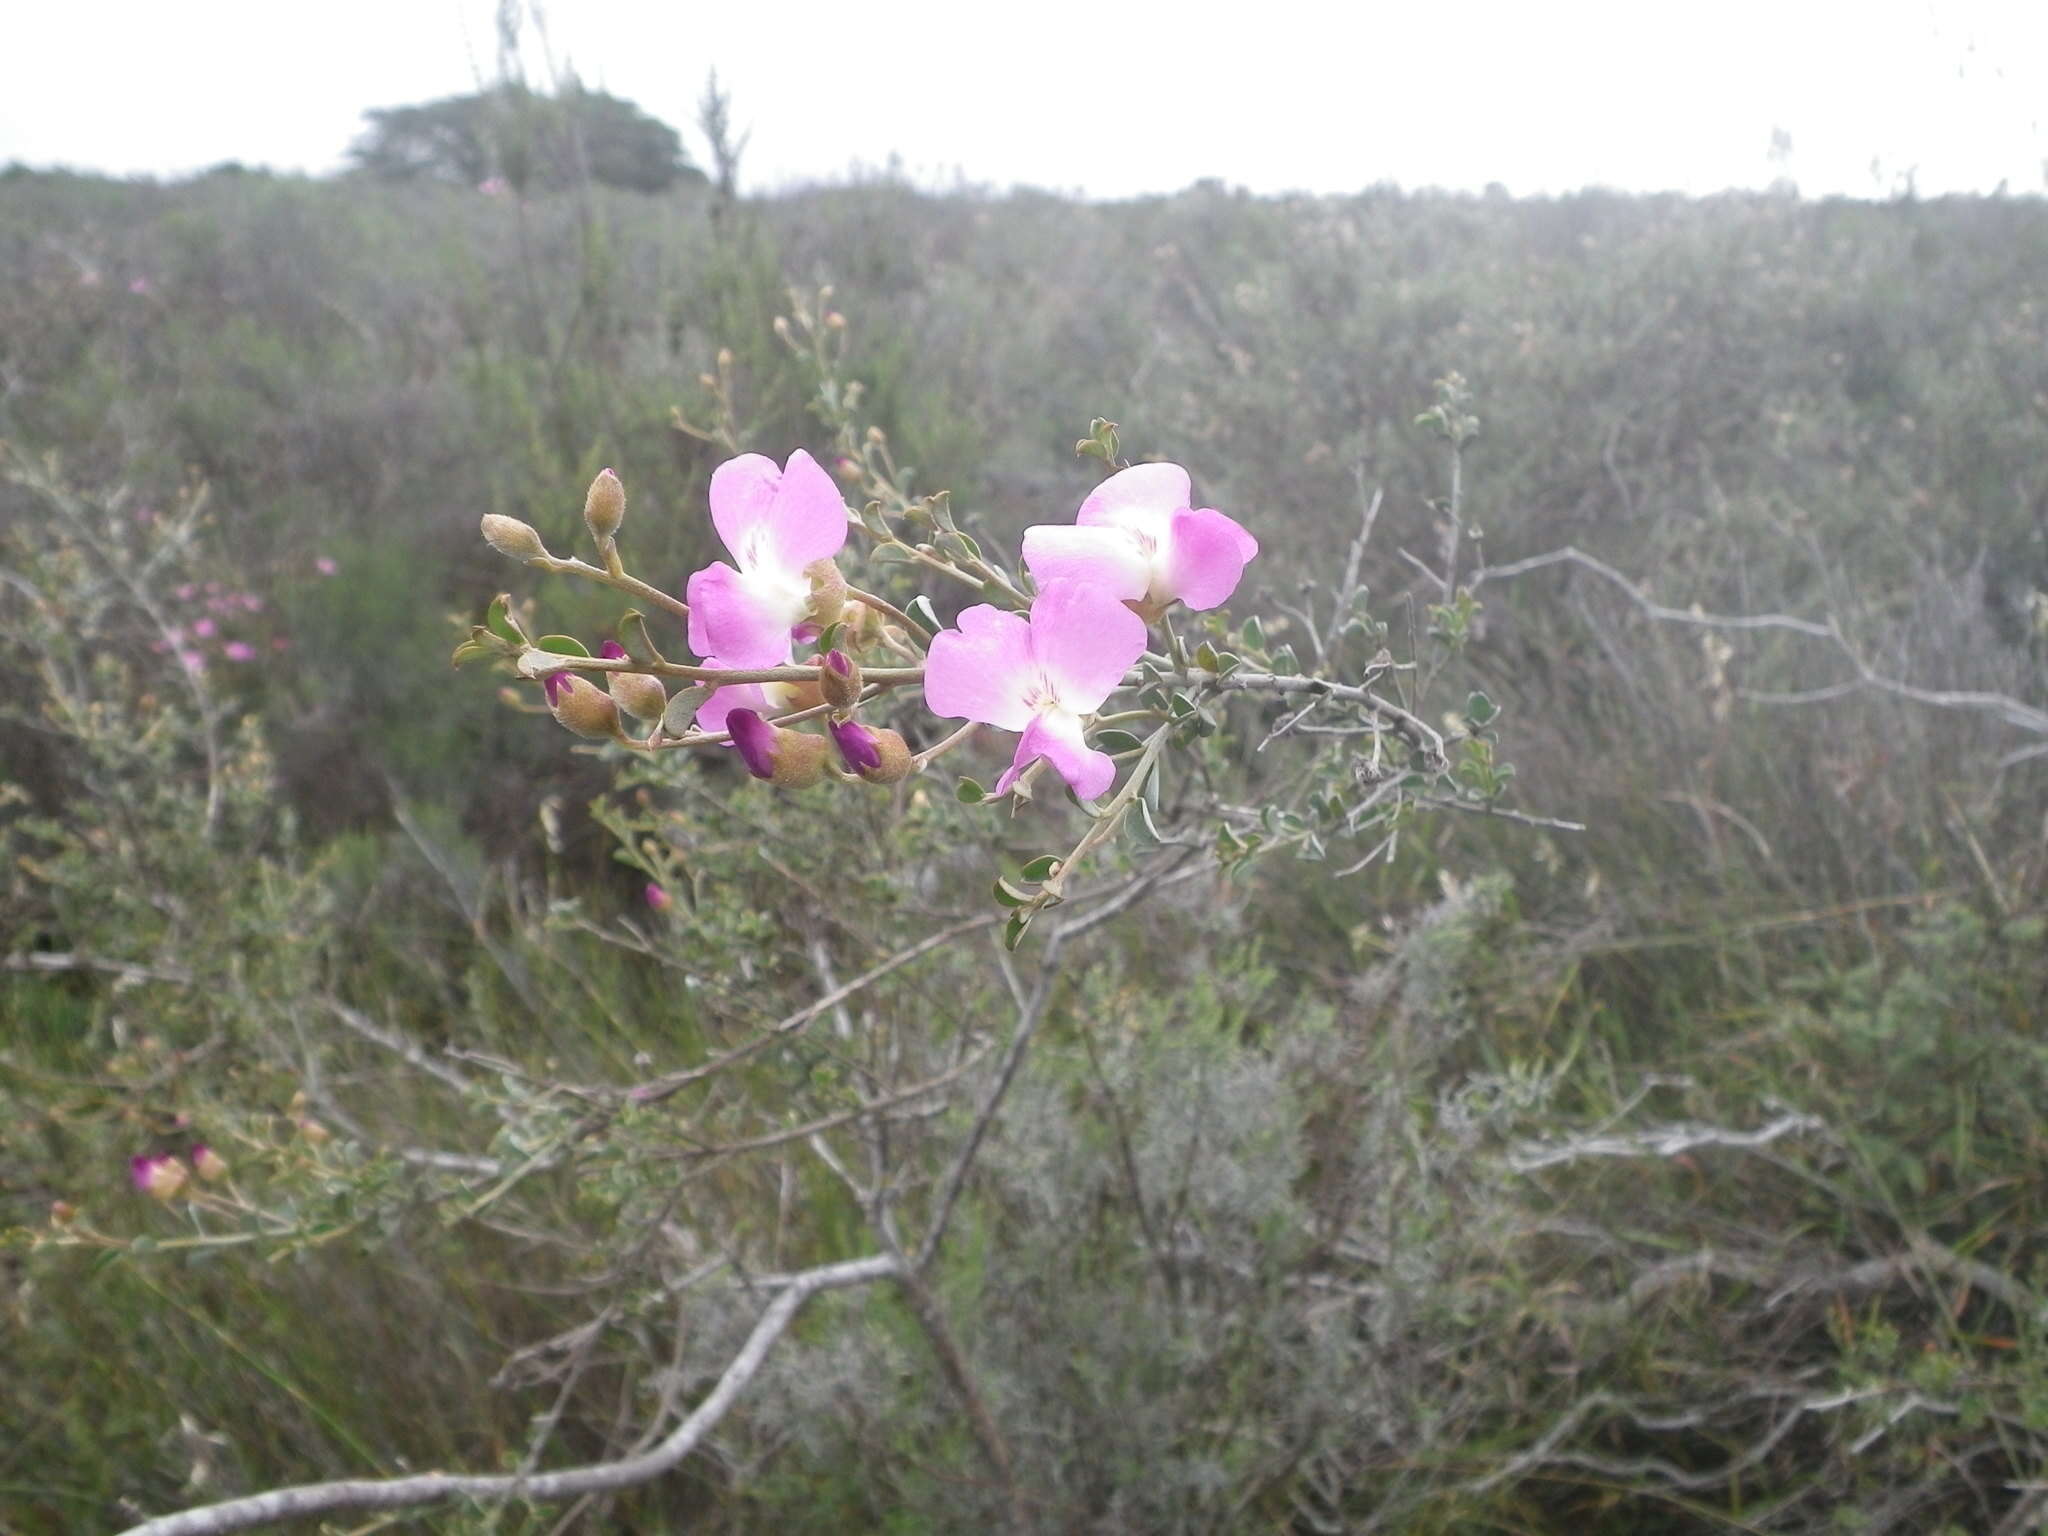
<point x="238" y="650"/>
<point x="325" y="565"/>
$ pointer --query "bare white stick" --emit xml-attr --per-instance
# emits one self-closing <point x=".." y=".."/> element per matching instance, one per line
<point x="543" y="1487"/>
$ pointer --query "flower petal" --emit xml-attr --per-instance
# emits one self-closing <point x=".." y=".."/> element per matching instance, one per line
<point x="786" y="517"/>
<point x="713" y="713"/>
<point x="1142" y="498"/>
<point x="982" y="670"/>
<point x="743" y="617"/>
<point x="1056" y="736"/>
<point x="1206" y="557"/>
<point x="1085" y="639"/>
<point x="1104" y="557"/>
<point x="856" y="745"/>
<point x="755" y="739"/>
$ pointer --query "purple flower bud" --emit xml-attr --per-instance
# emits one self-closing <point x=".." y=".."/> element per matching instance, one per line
<point x="856" y="745"/>
<point x="612" y="650"/>
<point x="837" y="661"/>
<point x="553" y="684"/>
<point x="755" y="739"/>
<point x="657" y="898"/>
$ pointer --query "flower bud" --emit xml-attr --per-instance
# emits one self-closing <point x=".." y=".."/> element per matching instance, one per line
<point x="828" y="592"/>
<point x="509" y="536"/>
<point x="62" y="1213"/>
<point x="636" y="693"/>
<point x="839" y="679"/>
<point x="880" y="757"/>
<point x="786" y="759"/>
<point x="314" y="1132"/>
<point x="657" y="897"/>
<point x="159" y="1177"/>
<point x="208" y="1164"/>
<point x="604" y="508"/>
<point x="581" y="705"/>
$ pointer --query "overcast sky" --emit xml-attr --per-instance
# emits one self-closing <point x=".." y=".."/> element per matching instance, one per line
<point x="1105" y="99"/>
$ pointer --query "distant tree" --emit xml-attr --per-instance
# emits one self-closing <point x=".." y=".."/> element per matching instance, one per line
<point x="531" y="140"/>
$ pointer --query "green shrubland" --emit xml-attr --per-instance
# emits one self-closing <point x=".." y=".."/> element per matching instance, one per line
<point x="1678" y="1173"/>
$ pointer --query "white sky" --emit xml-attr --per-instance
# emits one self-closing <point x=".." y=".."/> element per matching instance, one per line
<point x="1106" y="99"/>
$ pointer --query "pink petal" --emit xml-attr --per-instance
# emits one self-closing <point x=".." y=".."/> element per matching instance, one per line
<point x="788" y="517"/>
<point x="982" y="670"/>
<point x="742" y="619"/>
<point x="1207" y="557"/>
<point x="1085" y="639"/>
<point x="712" y="713"/>
<point x="1056" y="736"/>
<point x="1103" y="557"/>
<point x="1143" y="497"/>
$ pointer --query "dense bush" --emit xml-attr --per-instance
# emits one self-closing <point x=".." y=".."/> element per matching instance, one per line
<point x="1677" y="1174"/>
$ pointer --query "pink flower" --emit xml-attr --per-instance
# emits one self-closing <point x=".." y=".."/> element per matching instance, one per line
<point x="325" y="565"/>
<point x="185" y="593"/>
<point x="779" y="524"/>
<point x="1039" y="676"/>
<point x="203" y="629"/>
<point x="192" y="661"/>
<point x="657" y="898"/>
<point x="1137" y="537"/>
<point x="138" y="285"/>
<point x="238" y="650"/>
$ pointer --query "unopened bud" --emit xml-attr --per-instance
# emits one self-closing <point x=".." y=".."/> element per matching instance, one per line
<point x="786" y="759"/>
<point x="880" y="757"/>
<point x="314" y="1132"/>
<point x="62" y="1213"/>
<point x="834" y="321"/>
<point x="581" y="705"/>
<point x="657" y="897"/>
<point x="159" y="1177"/>
<point x="839" y="679"/>
<point x="509" y="536"/>
<point x="725" y="357"/>
<point x="828" y="592"/>
<point x="848" y="469"/>
<point x="604" y="507"/>
<point x="208" y="1164"/>
<point x="636" y="693"/>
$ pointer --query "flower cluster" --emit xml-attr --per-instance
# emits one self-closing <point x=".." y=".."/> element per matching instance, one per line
<point x="165" y="1175"/>
<point x="1136" y="547"/>
<point x="781" y="638"/>
<point x="214" y="622"/>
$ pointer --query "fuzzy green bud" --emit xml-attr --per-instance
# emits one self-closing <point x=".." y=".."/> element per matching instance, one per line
<point x="839" y="679"/>
<point x="582" y="706"/>
<point x="604" y="508"/>
<point x="636" y="693"/>
<point x="510" y="537"/>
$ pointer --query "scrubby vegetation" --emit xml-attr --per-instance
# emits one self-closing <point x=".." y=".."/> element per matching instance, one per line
<point x="1683" y="1173"/>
